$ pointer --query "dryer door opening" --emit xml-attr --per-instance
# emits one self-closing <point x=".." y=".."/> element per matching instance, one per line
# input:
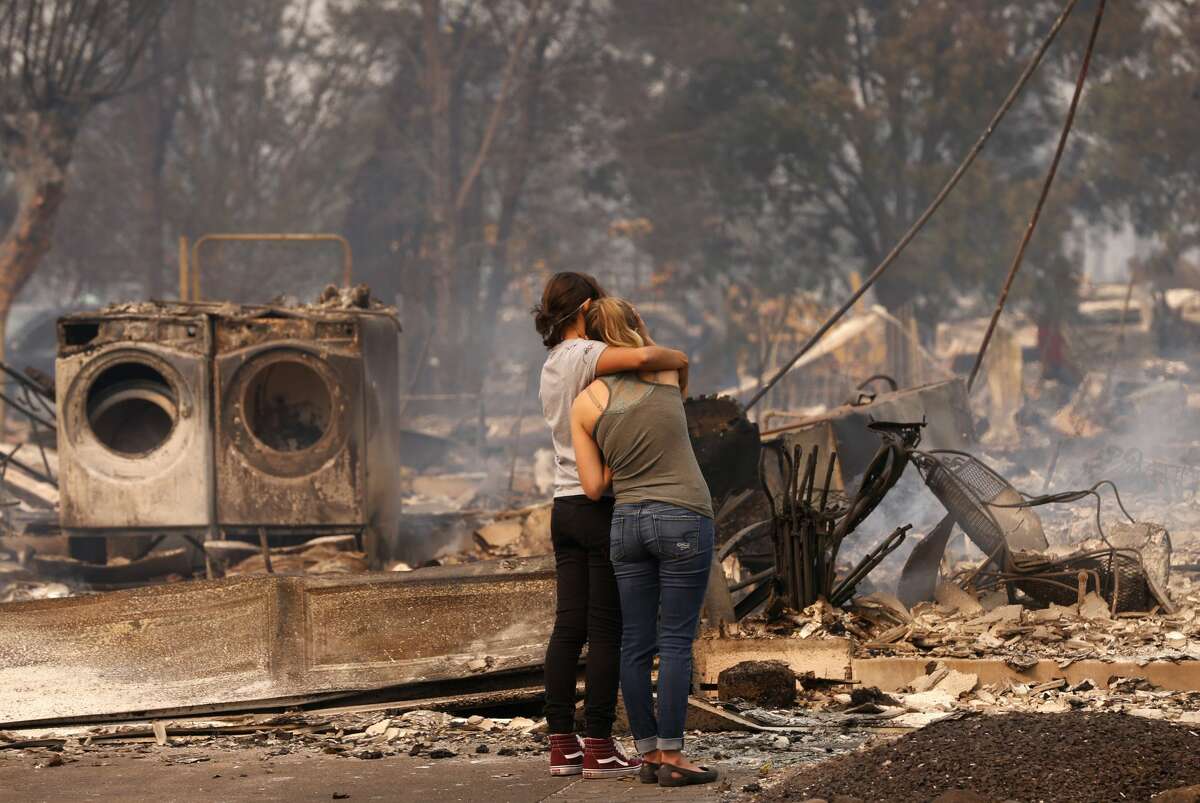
<point x="131" y="408"/>
<point x="288" y="406"/>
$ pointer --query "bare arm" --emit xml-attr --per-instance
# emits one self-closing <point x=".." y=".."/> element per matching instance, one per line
<point x="594" y="476"/>
<point x="616" y="360"/>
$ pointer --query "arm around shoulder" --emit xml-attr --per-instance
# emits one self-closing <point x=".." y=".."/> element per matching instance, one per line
<point x="617" y="360"/>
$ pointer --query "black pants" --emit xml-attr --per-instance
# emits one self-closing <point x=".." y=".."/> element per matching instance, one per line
<point x="588" y="612"/>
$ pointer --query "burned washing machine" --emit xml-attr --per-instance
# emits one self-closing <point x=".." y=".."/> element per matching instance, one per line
<point x="134" y="423"/>
<point x="224" y="421"/>
<point x="306" y="421"/>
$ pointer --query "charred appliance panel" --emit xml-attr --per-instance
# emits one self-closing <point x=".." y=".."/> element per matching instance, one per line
<point x="306" y="421"/>
<point x="133" y="430"/>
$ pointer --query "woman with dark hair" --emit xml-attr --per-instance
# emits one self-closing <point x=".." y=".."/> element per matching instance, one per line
<point x="588" y="609"/>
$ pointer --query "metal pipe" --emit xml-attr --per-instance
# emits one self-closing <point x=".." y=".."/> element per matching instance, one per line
<point x="868" y="564"/>
<point x="194" y="265"/>
<point x="264" y="545"/>
<point x="184" y="281"/>
<point x="813" y="588"/>
<point x="25" y="381"/>
<point x="10" y="459"/>
<point x="28" y="413"/>
<point x="828" y="481"/>
<point x="800" y="566"/>
<point x="1037" y="210"/>
<point x="753" y="579"/>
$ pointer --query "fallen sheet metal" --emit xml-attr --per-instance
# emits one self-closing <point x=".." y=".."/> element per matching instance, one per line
<point x="844" y="429"/>
<point x="229" y="643"/>
<point x="726" y="444"/>
<point x="135" y="572"/>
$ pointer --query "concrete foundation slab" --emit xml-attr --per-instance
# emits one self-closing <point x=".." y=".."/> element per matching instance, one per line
<point x="246" y="639"/>
<point x="894" y="673"/>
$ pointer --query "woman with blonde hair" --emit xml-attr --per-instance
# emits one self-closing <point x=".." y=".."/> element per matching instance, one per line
<point x="629" y="430"/>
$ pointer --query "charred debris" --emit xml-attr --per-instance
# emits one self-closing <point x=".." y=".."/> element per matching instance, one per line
<point x="245" y="463"/>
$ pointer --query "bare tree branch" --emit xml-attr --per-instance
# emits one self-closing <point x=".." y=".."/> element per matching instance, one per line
<point x="489" y="135"/>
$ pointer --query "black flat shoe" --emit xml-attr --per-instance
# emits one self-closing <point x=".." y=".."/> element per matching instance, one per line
<point x="671" y="775"/>
<point x="649" y="772"/>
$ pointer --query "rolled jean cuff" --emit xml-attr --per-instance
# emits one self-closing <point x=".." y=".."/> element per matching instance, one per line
<point x="646" y="745"/>
<point x="669" y="744"/>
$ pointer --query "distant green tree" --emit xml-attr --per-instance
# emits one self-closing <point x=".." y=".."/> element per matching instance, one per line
<point x="785" y="144"/>
<point x="1142" y="164"/>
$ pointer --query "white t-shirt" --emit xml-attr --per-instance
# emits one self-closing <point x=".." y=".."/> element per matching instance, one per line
<point x="570" y="367"/>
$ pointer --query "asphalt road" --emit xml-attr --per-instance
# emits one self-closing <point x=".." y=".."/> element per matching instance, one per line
<point x="161" y="775"/>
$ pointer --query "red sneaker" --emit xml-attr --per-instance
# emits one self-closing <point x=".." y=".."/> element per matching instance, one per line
<point x="566" y="754"/>
<point x="603" y="758"/>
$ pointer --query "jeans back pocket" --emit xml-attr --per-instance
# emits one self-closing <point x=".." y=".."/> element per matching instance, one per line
<point x="677" y="535"/>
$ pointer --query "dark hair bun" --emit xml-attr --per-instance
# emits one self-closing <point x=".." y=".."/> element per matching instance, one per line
<point x="562" y="297"/>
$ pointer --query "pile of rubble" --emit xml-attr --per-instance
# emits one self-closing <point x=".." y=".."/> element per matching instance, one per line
<point x="516" y="533"/>
<point x="433" y="734"/>
<point x="378" y="734"/>
<point x="760" y="692"/>
<point x="945" y="692"/>
<point x="959" y="625"/>
<point x="1134" y="696"/>
<point x="18" y="582"/>
<point x="327" y="555"/>
<point x="520" y="533"/>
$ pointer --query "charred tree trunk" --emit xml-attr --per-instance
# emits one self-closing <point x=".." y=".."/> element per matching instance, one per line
<point x="455" y="167"/>
<point x="37" y="149"/>
<point x="159" y="108"/>
<point x="512" y="192"/>
<point x="443" y="213"/>
<point x="57" y="61"/>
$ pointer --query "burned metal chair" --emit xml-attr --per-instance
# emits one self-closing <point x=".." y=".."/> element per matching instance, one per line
<point x="809" y="521"/>
<point x="979" y="500"/>
<point x="1000" y="521"/>
<point x="985" y="505"/>
<point x="1130" y="572"/>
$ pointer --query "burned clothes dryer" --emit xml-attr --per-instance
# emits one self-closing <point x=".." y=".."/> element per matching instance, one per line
<point x="214" y="419"/>
<point x="306" y="421"/>
<point x="134" y="423"/>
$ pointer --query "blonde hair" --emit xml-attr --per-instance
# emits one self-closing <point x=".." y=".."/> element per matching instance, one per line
<point x="614" y="321"/>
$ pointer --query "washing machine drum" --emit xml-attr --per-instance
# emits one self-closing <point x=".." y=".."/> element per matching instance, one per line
<point x="132" y="415"/>
<point x="287" y="406"/>
<point x="286" y="410"/>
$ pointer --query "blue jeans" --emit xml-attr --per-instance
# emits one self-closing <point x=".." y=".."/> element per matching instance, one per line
<point x="661" y="555"/>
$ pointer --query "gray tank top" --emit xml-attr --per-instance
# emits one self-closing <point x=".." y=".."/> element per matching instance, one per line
<point x="643" y="436"/>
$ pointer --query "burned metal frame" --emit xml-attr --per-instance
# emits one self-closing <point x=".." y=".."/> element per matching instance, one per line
<point x="845" y="589"/>
<point x="189" y="269"/>
<point x="948" y="473"/>
<point x="941" y="469"/>
<point x="809" y="522"/>
<point x="30" y="392"/>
